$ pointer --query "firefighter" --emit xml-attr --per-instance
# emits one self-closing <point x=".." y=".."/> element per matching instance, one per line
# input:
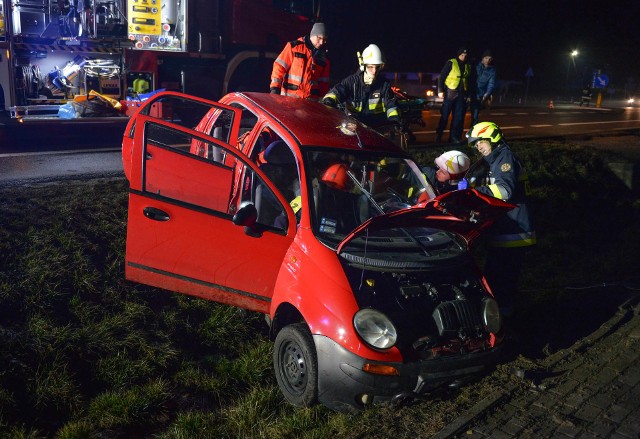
<point x="302" y="68"/>
<point x="513" y="233"/>
<point x="366" y="93"/>
<point x="450" y="168"/>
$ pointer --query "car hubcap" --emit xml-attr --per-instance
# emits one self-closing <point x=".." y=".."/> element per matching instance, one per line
<point x="294" y="368"/>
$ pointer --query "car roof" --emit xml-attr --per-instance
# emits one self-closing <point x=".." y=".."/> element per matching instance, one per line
<point x="310" y="122"/>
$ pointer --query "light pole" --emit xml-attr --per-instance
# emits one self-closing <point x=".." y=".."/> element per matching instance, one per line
<point x="573" y="55"/>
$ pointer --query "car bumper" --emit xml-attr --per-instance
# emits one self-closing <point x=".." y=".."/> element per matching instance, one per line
<point x="344" y="386"/>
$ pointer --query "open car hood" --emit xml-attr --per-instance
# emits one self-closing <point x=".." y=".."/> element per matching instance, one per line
<point x="465" y="212"/>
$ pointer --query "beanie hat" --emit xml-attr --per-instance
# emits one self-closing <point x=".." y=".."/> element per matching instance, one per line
<point x="461" y="50"/>
<point x="318" y="29"/>
<point x="487" y="53"/>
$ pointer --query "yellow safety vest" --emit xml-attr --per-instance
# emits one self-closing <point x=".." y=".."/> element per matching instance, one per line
<point x="453" y="79"/>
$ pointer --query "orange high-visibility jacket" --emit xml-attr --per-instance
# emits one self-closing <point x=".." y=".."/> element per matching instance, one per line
<point x="297" y="73"/>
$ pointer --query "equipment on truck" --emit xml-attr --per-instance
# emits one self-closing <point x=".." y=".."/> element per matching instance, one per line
<point x="204" y="47"/>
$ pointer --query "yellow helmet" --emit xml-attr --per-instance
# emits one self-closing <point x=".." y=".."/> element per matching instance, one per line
<point x="484" y="130"/>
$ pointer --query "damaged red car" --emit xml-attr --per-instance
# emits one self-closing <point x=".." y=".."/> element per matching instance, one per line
<point x="289" y="208"/>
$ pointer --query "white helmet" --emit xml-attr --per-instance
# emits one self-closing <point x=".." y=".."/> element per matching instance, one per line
<point x="372" y="55"/>
<point x="456" y="163"/>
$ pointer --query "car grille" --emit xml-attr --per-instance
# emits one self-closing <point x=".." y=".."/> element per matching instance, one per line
<point x="457" y="318"/>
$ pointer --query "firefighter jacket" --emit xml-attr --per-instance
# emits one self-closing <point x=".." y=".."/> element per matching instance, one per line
<point x="301" y="70"/>
<point x="454" y="76"/>
<point x="373" y="104"/>
<point x="507" y="180"/>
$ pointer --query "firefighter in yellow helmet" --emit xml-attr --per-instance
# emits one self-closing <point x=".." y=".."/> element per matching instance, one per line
<point x="366" y="93"/>
<point x="505" y="178"/>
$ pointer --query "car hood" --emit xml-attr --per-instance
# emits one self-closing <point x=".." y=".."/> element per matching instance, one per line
<point x="465" y="212"/>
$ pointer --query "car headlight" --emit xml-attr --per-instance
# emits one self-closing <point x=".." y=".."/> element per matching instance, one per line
<point x="491" y="315"/>
<point x="375" y="328"/>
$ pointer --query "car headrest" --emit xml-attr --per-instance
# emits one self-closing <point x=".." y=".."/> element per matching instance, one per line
<point x="278" y="153"/>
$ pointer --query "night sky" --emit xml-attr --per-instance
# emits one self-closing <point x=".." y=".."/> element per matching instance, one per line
<point x="420" y="35"/>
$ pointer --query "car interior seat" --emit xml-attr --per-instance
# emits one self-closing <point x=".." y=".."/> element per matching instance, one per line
<point x="280" y="167"/>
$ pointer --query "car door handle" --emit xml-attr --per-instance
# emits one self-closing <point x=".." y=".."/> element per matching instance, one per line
<point x="155" y="214"/>
<point x="148" y="156"/>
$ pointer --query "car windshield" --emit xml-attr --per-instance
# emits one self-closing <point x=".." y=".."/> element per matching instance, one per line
<point x="348" y="189"/>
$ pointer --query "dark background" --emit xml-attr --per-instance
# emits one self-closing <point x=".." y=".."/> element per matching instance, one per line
<point x="420" y="35"/>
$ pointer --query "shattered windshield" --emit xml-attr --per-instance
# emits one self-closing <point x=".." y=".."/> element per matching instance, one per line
<point x="348" y="189"/>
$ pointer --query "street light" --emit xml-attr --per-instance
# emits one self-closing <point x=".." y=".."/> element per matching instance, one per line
<point x="573" y="54"/>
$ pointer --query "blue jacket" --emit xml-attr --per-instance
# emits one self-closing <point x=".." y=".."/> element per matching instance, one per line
<point x="485" y="80"/>
<point x="507" y="180"/>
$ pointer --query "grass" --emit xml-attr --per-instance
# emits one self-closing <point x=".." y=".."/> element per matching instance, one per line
<point x="84" y="353"/>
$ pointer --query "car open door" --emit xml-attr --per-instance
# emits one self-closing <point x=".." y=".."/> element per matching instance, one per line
<point x="180" y="234"/>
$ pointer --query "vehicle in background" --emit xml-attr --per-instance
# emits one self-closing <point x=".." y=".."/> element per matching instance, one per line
<point x="290" y="208"/>
<point x="419" y="84"/>
<point x="125" y="49"/>
<point x="214" y="46"/>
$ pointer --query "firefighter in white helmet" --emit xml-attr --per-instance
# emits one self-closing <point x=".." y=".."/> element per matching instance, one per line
<point x="366" y="93"/>
<point x="451" y="167"/>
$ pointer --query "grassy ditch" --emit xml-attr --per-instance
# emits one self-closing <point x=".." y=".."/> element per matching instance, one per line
<point x="84" y="353"/>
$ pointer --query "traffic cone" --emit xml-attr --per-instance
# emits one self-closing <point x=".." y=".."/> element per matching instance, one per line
<point x="551" y="105"/>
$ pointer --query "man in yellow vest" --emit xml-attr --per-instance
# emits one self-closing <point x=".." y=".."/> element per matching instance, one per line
<point x="453" y="88"/>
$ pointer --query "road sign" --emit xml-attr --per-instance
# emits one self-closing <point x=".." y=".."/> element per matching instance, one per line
<point x="600" y="81"/>
<point x="529" y="73"/>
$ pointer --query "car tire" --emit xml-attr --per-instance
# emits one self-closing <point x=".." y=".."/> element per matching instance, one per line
<point x="296" y="365"/>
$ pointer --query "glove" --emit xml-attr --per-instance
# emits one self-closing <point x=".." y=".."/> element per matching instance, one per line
<point x="274" y="90"/>
<point x="329" y="102"/>
<point x="463" y="184"/>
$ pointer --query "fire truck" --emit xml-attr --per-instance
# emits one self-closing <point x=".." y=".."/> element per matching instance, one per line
<point x="52" y="51"/>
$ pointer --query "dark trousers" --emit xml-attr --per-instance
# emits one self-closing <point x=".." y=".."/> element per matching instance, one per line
<point x="456" y="108"/>
<point x="475" y="105"/>
<point x="502" y="270"/>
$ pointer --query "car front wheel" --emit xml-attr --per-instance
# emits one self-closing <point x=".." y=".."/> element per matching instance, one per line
<point x="296" y="365"/>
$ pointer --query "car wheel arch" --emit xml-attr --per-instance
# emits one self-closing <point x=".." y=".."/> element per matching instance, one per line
<point x="286" y="314"/>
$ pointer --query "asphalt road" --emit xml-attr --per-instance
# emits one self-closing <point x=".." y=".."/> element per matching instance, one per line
<point x="49" y="155"/>
<point x="23" y="168"/>
<point x="541" y="121"/>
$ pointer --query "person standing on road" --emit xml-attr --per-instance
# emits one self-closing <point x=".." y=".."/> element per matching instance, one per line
<point x="504" y="178"/>
<point x="453" y="88"/>
<point x="585" y="99"/>
<point x="366" y="93"/>
<point x="485" y="82"/>
<point x="450" y="168"/>
<point x="302" y="68"/>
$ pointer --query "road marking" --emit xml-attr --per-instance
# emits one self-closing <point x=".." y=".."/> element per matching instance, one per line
<point x="521" y="114"/>
<point x="541" y="126"/>
<point x="66" y="151"/>
<point x="595" y="123"/>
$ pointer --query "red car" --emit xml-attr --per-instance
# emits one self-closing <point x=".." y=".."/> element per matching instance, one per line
<point x="287" y="207"/>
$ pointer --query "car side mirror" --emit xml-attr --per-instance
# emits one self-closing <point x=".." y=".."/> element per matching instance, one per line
<point x="247" y="216"/>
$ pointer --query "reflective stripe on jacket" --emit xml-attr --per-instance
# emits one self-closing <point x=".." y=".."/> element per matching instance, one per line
<point x="372" y="104"/>
<point x="296" y="72"/>
<point x="508" y="181"/>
